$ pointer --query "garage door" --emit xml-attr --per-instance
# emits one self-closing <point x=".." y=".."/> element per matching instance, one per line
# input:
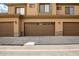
<point x="6" y="29"/>
<point x="71" y="29"/>
<point x="39" y="29"/>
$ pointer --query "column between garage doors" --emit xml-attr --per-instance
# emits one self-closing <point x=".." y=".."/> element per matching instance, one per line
<point x="16" y="28"/>
<point x="58" y="28"/>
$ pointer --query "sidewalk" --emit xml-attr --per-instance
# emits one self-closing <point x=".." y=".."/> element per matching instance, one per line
<point x="40" y="40"/>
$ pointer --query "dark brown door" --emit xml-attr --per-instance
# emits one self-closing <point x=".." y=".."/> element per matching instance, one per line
<point x="71" y="29"/>
<point x="39" y="29"/>
<point x="6" y="29"/>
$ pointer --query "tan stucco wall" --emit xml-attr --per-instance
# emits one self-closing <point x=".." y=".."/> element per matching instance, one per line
<point x="32" y="11"/>
<point x="53" y="8"/>
<point x="76" y="10"/>
<point x="11" y="10"/>
<point x="35" y="10"/>
<point x="58" y="28"/>
<point x="16" y="24"/>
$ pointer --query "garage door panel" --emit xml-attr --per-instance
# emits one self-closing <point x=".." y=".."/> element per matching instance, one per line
<point x="36" y="29"/>
<point x="6" y="29"/>
<point x="71" y="29"/>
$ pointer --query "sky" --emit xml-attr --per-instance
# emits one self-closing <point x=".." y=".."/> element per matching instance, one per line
<point x="37" y="1"/>
<point x="12" y="1"/>
<point x="3" y="8"/>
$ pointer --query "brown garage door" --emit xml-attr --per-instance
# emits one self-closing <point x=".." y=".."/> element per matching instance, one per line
<point x="71" y="29"/>
<point x="39" y="29"/>
<point x="6" y="29"/>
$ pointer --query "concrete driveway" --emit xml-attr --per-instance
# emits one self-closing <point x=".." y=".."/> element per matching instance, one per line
<point x="40" y="40"/>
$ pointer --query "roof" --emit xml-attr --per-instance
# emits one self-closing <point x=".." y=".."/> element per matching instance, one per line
<point x="56" y="3"/>
<point x="8" y="16"/>
<point x="53" y="17"/>
<point x="67" y="3"/>
<point x="40" y="17"/>
<point x="11" y="4"/>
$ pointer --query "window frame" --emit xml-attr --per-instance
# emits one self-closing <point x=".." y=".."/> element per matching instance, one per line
<point x="58" y="8"/>
<point x="20" y="11"/>
<point x="31" y="5"/>
<point x="69" y="12"/>
<point x="45" y="13"/>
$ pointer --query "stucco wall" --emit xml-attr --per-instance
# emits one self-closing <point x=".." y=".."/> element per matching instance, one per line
<point x="11" y="10"/>
<point x="76" y="10"/>
<point x="32" y="11"/>
<point x="35" y="10"/>
<point x="53" y="7"/>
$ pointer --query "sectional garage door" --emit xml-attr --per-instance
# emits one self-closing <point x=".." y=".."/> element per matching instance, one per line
<point x="6" y="29"/>
<point x="39" y="29"/>
<point x="71" y="29"/>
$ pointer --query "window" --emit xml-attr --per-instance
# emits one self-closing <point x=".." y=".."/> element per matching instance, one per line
<point x="69" y="10"/>
<point x="44" y="8"/>
<point x="58" y="8"/>
<point x="31" y="5"/>
<point x="20" y="11"/>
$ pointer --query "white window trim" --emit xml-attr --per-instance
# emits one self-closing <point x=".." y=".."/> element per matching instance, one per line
<point x="71" y="11"/>
<point x="20" y="11"/>
<point x="45" y="7"/>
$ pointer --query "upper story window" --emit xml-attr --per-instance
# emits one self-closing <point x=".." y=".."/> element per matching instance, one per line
<point x="69" y="10"/>
<point x="58" y="8"/>
<point x="31" y="5"/>
<point x="44" y="8"/>
<point x="20" y="11"/>
<point x="3" y="8"/>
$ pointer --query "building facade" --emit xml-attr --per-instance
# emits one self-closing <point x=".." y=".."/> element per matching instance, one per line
<point x="40" y="19"/>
